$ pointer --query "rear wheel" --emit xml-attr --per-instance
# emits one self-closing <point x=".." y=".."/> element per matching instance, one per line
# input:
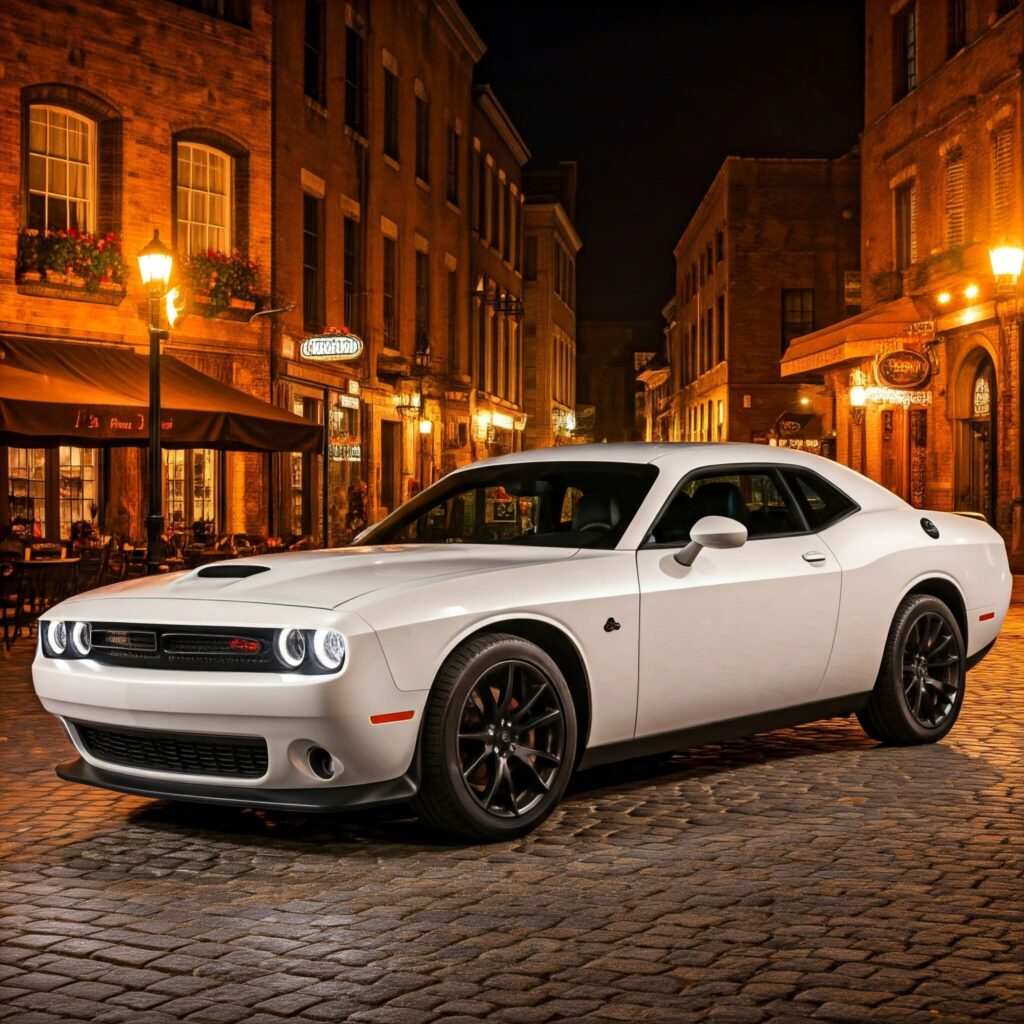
<point x="920" y="686"/>
<point x="499" y="740"/>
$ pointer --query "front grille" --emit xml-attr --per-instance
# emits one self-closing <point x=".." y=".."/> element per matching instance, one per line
<point x="114" y="639"/>
<point x="198" y="648"/>
<point x="243" y="757"/>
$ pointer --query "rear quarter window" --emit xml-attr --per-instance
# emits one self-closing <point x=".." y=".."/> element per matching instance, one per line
<point x="822" y="503"/>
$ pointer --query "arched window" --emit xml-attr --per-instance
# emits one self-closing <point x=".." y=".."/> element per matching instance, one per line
<point x="981" y="404"/>
<point x="204" y="199"/>
<point x="61" y="170"/>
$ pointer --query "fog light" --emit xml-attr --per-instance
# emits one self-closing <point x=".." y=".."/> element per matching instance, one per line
<point x="81" y="638"/>
<point x="329" y="648"/>
<point x="291" y="647"/>
<point x="321" y="764"/>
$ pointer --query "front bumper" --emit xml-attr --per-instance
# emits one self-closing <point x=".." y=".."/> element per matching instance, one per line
<point x="292" y="713"/>
<point x="308" y="800"/>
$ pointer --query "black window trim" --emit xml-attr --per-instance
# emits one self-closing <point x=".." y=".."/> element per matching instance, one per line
<point x="774" y="470"/>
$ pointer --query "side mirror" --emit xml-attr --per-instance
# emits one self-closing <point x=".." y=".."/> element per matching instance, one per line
<point x="712" y="532"/>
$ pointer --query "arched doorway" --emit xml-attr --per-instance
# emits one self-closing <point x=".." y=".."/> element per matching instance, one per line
<point x="977" y="481"/>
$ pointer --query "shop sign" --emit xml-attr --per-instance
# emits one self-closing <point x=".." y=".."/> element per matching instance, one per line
<point x="339" y="452"/>
<point x="787" y="427"/>
<point x="902" y="369"/>
<point x="332" y="348"/>
<point x="898" y="396"/>
<point x="502" y="420"/>
<point x="349" y="402"/>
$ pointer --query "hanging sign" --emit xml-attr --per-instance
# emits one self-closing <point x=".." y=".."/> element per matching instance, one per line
<point x="902" y="369"/>
<point x="332" y="348"/>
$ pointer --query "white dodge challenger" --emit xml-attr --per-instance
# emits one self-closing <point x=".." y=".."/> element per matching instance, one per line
<point x="524" y="617"/>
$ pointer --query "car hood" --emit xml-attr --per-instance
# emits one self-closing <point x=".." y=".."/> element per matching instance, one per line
<point x="327" y="579"/>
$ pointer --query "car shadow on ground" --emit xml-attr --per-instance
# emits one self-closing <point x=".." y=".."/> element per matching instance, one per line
<point x="395" y="830"/>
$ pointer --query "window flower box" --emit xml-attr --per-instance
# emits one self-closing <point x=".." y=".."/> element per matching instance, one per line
<point x="72" y="259"/>
<point x="219" y="281"/>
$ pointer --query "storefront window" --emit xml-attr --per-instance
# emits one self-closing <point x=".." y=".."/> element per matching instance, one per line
<point x="346" y="490"/>
<point x="190" y="488"/>
<point x="78" y="492"/>
<point x="26" y="474"/>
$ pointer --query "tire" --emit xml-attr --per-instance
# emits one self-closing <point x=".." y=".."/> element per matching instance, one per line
<point x="477" y="780"/>
<point x="921" y="682"/>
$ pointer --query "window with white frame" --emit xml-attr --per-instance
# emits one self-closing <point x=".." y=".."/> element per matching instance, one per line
<point x="61" y="170"/>
<point x="203" y="198"/>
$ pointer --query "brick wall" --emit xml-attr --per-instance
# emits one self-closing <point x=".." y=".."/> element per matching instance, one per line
<point x="155" y="70"/>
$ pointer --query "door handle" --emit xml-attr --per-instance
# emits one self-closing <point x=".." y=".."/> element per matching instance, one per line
<point x="815" y="557"/>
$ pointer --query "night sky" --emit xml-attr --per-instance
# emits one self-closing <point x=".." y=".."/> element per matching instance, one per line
<point x="649" y="97"/>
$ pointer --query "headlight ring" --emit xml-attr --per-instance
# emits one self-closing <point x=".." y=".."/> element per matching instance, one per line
<point x="329" y="649"/>
<point x="57" y="637"/>
<point x="291" y="647"/>
<point x="81" y="639"/>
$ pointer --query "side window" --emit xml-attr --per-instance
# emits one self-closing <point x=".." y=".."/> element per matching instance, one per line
<point x="822" y="504"/>
<point x="751" y="497"/>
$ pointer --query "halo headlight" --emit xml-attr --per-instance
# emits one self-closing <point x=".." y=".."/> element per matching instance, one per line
<point x="81" y="639"/>
<point x="57" y="636"/>
<point x="291" y="647"/>
<point x="329" y="649"/>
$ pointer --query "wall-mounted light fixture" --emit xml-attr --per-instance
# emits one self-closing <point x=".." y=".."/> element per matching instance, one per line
<point x="858" y="396"/>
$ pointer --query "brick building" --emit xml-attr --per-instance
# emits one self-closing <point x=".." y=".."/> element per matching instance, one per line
<point x="927" y="379"/>
<point x="549" y="271"/>
<point x="119" y="119"/>
<point x="767" y="256"/>
<point x="609" y="356"/>
<point x="372" y="197"/>
<point x="495" y="361"/>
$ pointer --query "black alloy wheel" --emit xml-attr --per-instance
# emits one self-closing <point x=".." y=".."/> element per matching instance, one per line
<point x="498" y="742"/>
<point x="511" y="738"/>
<point x="922" y="679"/>
<point x="931" y="671"/>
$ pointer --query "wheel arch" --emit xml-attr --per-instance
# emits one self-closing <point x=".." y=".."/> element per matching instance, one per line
<point x="561" y="647"/>
<point x="947" y="591"/>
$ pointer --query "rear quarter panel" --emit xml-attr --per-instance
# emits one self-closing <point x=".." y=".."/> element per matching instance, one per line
<point x="884" y="554"/>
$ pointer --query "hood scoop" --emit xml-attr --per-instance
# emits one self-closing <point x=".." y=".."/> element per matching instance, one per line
<point x="227" y="571"/>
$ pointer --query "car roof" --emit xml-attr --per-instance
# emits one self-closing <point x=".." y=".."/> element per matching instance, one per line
<point x="677" y="458"/>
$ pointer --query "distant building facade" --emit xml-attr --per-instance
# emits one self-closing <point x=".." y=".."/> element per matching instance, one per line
<point x="771" y="252"/>
<point x="549" y="272"/>
<point x="372" y="197"/>
<point x="927" y="379"/>
<point x="496" y="419"/>
<point x="611" y="354"/>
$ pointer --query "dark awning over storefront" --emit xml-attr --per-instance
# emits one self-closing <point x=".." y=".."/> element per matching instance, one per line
<point x="55" y="393"/>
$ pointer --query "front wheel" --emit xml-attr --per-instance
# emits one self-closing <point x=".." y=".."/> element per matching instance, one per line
<point x="920" y="686"/>
<point x="498" y="742"/>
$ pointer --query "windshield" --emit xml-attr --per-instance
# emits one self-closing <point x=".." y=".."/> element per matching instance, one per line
<point x="564" y="505"/>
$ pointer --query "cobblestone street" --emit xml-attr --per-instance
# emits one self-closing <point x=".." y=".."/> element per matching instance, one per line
<point x="803" y="874"/>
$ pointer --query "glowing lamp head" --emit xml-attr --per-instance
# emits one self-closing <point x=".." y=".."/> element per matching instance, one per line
<point x="1007" y="261"/>
<point x="943" y="298"/>
<point x="858" y="396"/>
<point x="971" y="291"/>
<point x="805" y="400"/>
<point x="426" y="426"/>
<point x="155" y="262"/>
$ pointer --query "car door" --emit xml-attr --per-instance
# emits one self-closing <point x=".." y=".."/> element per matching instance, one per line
<point x="740" y="631"/>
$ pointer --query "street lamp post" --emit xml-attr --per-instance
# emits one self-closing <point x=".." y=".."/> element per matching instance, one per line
<point x="155" y="263"/>
<point x="421" y="359"/>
